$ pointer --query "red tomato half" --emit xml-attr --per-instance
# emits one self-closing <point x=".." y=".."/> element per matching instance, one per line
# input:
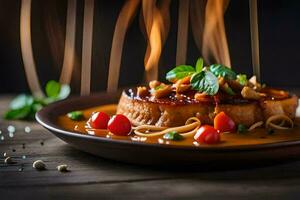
<point x="99" y="120"/>
<point x="208" y="135"/>
<point x="224" y="123"/>
<point x="119" y="125"/>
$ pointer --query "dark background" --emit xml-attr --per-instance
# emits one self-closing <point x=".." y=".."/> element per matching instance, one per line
<point x="279" y="23"/>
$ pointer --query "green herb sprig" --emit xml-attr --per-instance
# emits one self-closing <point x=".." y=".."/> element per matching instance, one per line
<point x="204" y="79"/>
<point x="173" y="135"/>
<point x="25" y="106"/>
<point x="76" y="115"/>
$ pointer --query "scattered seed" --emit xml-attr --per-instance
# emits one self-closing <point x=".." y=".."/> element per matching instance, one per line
<point x="8" y="160"/>
<point x="27" y="129"/>
<point x="21" y="169"/>
<point x="2" y="137"/>
<point x="23" y="146"/>
<point x="39" y="165"/>
<point x="4" y="154"/>
<point x="23" y="157"/>
<point x="42" y="143"/>
<point x="11" y="134"/>
<point x="13" y="150"/>
<point x="11" y="128"/>
<point x="0" y="132"/>
<point x="62" y="168"/>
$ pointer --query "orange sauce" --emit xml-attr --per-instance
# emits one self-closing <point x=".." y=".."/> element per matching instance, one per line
<point x="256" y="137"/>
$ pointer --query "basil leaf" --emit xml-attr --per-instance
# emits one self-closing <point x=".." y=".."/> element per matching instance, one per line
<point x="205" y="81"/>
<point x="20" y="101"/>
<point x="173" y="135"/>
<point x="20" y="113"/>
<point x="199" y="65"/>
<point x="53" y="89"/>
<point x="64" y="92"/>
<point x="242" y="79"/>
<point x="75" y="115"/>
<point x="180" y="72"/>
<point x="221" y="70"/>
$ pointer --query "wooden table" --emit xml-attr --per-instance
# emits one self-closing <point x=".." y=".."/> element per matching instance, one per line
<point x="95" y="178"/>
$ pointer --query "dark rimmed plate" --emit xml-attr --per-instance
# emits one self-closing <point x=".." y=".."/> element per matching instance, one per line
<point x="155" y="154"/>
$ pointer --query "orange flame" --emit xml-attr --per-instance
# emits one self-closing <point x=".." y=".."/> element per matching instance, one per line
<point x="157" y="23"/>
<point x="214" y="34"/>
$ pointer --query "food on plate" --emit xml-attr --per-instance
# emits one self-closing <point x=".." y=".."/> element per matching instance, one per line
<point x="203" y="103"/>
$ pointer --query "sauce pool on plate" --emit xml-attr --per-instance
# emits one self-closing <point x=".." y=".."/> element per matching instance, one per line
<point x="258" y="136"/>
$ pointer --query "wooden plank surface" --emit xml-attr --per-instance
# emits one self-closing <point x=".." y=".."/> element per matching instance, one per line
<point x="96" y="178"/>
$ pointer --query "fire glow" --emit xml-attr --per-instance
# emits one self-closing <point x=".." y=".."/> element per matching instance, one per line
<point x="205" y="16"/>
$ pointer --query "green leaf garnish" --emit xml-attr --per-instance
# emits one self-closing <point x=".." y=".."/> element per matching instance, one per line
<point x="242" y="79"/>
<point x="229" y="90"/>
<point x="20" y="113"/>
<point x="199" y="65"/>
<point x="206" y="82"/>
<point x="75" y="115"/>
<point x="21" y="101"/>
<point x="173" y="135"/>
<point x="180" y="72"/>
<point x="25" y="106"/>
<point x="223" y="71"/>
<point x="52" y="89"/>
<point x="242" y="128"/>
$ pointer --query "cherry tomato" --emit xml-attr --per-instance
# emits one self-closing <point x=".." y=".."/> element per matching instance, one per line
<point x="208" y="135"/>
<point x="119" y="125"/>
<point x="224" y="123"/>
<point x="99" y="120"/>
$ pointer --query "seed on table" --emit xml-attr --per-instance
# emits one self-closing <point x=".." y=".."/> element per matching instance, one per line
<point x="4" y="154"/>
<point x="8" y="160"/>
<point x="27" y="129"/>
<point x="0" y="132"/>
<point x="62" y="168"/>
<point x="13" y="150"/>
<point x="21" y="169"/>
<point x="11" y="134"/>
<point x="42" y="143"/>
<point x="23" y="157"/>
<point x="2" y="137"/>
<point x="39" y="165"/>
<point x="23" y="145"/>
<point x="11" y="128"/>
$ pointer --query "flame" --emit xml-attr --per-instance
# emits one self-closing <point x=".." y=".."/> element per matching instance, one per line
<point x="214" y="34"/>
<point x="26" y="49"/>
<point x="157" y="23"/>
<point x="125" y="17"/>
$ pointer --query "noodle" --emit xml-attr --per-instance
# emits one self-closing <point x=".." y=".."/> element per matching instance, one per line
<point x="282" y="118"/>
<point x="189" y="129"/>
<point x="255" y="125"/>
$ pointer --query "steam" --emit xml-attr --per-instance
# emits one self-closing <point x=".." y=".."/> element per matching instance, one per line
<point x="125" y="17"/>
<point x="87" y="46"/>
<point x="69" y="54"/>
<point x="26" y="49"/>
<point x="182" y="33"/>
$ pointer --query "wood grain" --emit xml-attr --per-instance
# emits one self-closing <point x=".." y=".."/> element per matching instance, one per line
<point x="98" y="178"/>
